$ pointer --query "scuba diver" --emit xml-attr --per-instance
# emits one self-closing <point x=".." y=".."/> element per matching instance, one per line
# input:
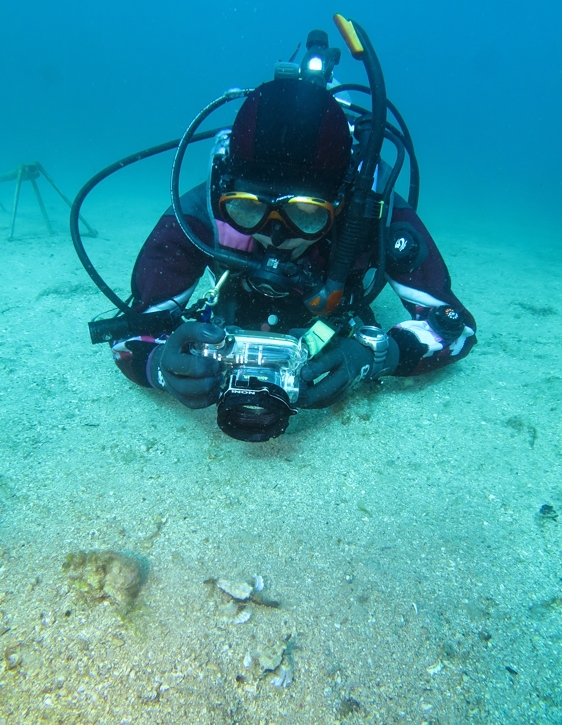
<point x="300" y="226"/>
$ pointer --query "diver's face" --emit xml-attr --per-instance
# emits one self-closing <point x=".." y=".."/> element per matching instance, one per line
<point x="277" y="230"/>
<point x="297" y="246"/>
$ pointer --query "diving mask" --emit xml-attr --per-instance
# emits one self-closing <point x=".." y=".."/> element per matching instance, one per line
<point x="307" y="217"/>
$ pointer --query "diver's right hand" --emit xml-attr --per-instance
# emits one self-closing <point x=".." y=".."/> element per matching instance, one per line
<point x="193" y="379"/>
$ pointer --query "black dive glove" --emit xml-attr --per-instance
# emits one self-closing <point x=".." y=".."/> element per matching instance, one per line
<point x="194" y="380"/>
<point x="346" y="361"/>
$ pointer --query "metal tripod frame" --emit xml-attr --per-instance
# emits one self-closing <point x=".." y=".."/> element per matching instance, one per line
<point x="31" y="172"/>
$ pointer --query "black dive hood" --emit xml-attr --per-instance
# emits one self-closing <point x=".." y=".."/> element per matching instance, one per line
<point x="362" y="208"/>
<point x="358" y="213"/>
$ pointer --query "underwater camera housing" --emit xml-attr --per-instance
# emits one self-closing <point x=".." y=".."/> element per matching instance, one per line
<point x="262" y="382"/>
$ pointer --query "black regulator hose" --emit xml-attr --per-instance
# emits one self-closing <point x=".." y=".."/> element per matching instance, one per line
<point x="380" y="277"/>
<point x="403" y="132"/>
<point x="358" y="213"/>
<point x="414" y="191"/>
<point x="221" y="255"/>
<point x="91" y="184"/>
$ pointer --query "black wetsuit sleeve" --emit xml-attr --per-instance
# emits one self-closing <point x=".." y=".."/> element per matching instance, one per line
<point x="167" y="266"/>
<point x="422" y="289"/>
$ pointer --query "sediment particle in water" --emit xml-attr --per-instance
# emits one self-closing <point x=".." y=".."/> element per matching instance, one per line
<point x="106" y="575"/>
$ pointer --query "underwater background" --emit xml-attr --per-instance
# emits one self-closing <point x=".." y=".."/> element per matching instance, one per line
<point x="408" y="539"/>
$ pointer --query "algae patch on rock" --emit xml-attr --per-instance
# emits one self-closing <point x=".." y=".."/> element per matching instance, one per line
<point x="108" y="575"/>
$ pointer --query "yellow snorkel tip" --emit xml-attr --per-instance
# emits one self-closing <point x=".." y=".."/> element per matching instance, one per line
<point x="348" y="33"/>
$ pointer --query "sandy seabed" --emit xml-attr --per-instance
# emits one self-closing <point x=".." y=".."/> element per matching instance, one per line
<point x="404" y="531"/>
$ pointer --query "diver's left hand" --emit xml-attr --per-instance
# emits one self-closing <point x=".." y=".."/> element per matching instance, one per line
<point x="345" y="361"/>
